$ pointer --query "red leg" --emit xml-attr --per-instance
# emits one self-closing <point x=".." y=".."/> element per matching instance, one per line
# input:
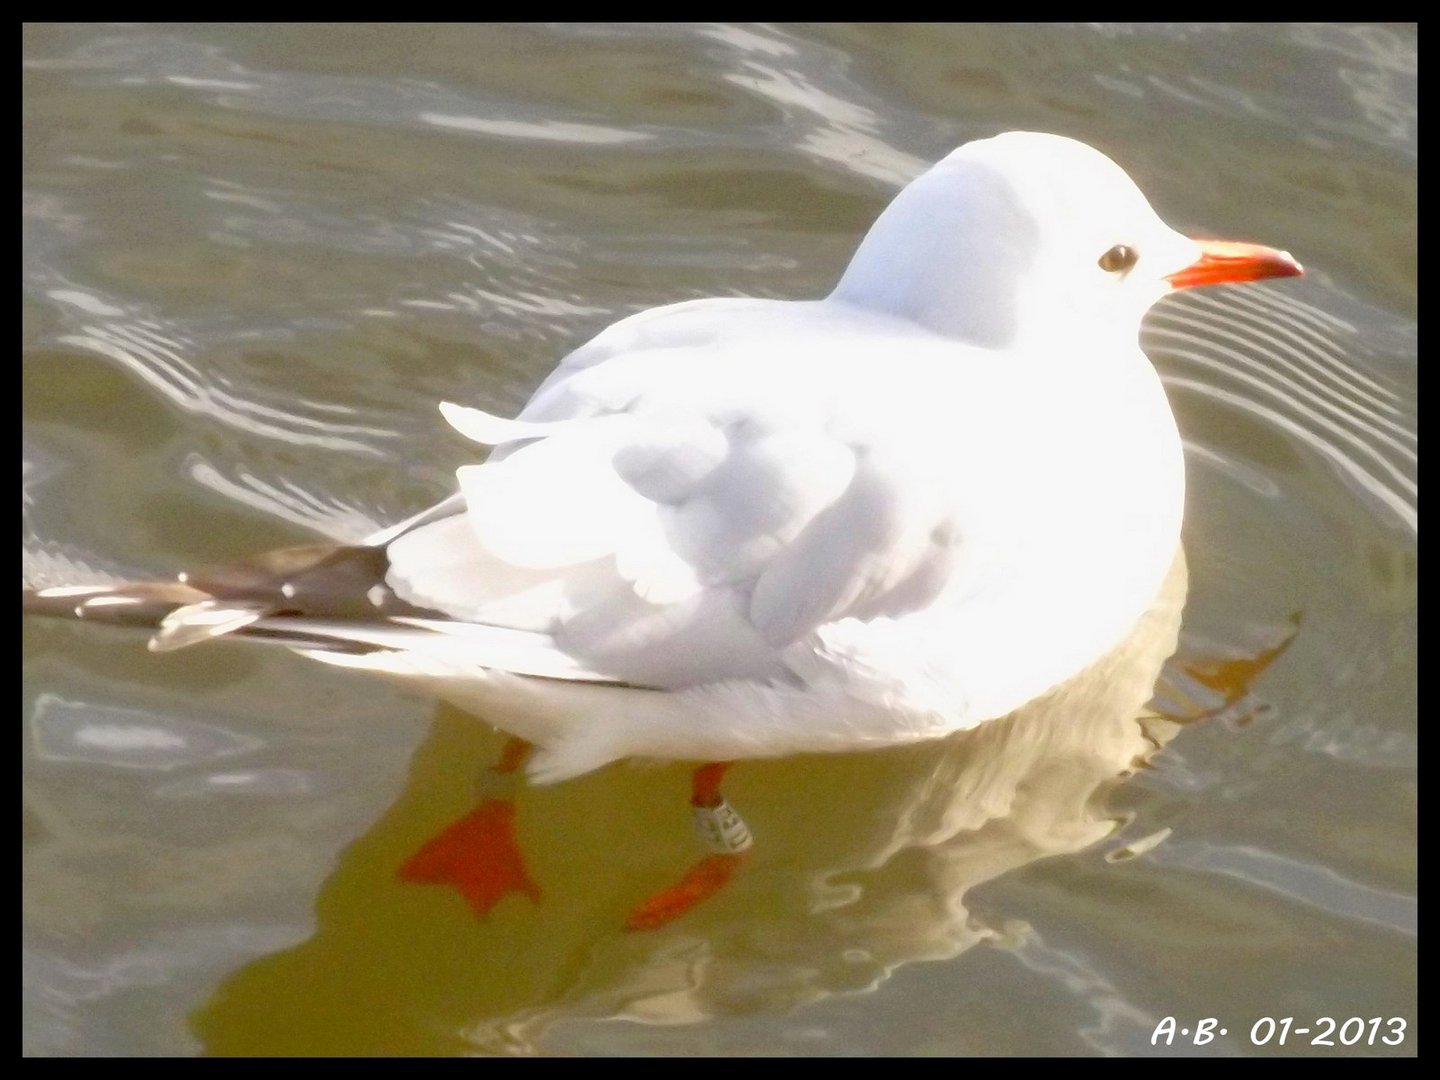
<point x="512" y="756"/>
<point x="705" y="784"/>
<point x="728" y="839"/>
<point x="478" y="854"/>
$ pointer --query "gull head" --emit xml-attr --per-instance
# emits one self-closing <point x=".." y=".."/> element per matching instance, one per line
<point x="1028" y="239"/>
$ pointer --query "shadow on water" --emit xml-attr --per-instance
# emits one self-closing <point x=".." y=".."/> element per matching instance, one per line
<point x="831" y="903"/>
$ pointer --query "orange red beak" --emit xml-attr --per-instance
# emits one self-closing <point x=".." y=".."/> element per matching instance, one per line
<point x="1224" y="262"/>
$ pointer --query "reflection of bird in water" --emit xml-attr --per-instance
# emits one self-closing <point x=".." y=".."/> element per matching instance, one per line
<point x="867" y="863"/>
<point x="736" y="529"/>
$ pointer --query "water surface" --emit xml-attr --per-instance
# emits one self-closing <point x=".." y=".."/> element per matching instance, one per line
<point x="256" y="257"/>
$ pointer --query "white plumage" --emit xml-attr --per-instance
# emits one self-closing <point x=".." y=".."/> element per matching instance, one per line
<point x="739" y="528"/>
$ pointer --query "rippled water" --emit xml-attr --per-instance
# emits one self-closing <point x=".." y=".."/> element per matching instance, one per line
<point x="254" y="259"/>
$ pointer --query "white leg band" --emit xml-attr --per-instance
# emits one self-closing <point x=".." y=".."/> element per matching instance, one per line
<point x="721" y="829"/>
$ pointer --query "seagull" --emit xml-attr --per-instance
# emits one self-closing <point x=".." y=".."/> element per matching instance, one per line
<point x="735" y="528"/>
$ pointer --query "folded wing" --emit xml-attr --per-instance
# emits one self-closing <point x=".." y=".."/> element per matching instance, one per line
<point x="670" y="544"/>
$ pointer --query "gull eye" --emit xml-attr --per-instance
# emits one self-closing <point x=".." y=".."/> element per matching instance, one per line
<point x="1118" y="259"/>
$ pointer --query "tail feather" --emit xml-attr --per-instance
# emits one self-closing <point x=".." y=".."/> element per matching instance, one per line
<point x="327" y="598"/>
<point x="142" y="604"/>
<point x="328" y="581"/>
<point x="194" y="623"/>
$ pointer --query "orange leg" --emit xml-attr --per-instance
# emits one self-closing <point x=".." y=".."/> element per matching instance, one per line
<point x="705" y="784"/>
<point x="728" y="839"/>
<point x="478" y="854"/>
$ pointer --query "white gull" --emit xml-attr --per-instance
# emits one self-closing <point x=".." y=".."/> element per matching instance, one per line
<point x="739" y="528"/>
